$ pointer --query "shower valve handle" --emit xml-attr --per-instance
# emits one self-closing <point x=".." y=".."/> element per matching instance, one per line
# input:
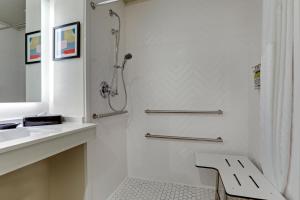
<point x="105" y="89"/>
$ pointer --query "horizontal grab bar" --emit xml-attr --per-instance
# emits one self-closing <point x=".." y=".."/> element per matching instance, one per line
<point x="217" y="140"/>
<point x="218" y="112"/>
<point x="99" y="116"/>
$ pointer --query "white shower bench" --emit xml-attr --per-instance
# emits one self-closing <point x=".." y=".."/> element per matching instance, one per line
<point x="237" y="178"/>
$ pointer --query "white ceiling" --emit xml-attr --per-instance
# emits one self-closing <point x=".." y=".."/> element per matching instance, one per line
<point x="12" y="12"/>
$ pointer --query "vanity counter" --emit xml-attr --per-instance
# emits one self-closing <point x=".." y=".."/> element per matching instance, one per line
<point x="26" y="145"/>
<point x="26" y="136"/>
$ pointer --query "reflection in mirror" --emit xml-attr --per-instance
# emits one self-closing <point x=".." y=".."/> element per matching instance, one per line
<point x="20" y="75"/>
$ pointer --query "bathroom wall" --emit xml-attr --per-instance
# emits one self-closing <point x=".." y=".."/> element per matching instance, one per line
<point x="194" y="55"/>
<point x="254" y="121"/>
<point x="19" y="110"/>
<point x="67" y="77"/>
<point x="107" y="153"/>
<point x="254" y="129"/>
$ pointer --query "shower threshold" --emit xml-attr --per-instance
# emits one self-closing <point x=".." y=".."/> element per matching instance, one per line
<point x="138" y="189"/>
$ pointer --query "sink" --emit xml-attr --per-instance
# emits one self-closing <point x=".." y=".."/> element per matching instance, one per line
<point x="22" y="132"/>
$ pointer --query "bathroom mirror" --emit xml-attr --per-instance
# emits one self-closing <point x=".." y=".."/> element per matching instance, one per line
<point x="20" y="51"/>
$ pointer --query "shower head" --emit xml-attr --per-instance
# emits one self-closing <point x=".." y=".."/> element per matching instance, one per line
<point x="126" y="57"/>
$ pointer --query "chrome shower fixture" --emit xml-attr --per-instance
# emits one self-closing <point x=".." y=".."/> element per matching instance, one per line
<point x="94" y="5"/>
<point x="105" y="89"/>
<point x="113" y="13"/>
<point x="115" y="32"/>
<point x="126" y="58"/>
<point x="111" y="90"/>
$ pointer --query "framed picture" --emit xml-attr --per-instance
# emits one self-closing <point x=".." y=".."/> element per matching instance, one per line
<point x="66" y="41"/>
<point x="33" y="47"/>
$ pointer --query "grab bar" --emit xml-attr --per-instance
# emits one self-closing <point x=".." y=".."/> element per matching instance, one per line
<point x="218" y="112"/>
<point x="217" y="140"/>
<point x="99" y="116"/>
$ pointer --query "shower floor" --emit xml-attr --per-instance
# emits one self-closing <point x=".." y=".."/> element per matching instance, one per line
<point x="138" y="189"/>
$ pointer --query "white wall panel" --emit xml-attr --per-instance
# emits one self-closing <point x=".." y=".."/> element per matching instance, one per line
<point x="197" y="55"/>
<point x="67" y="85"/>
<point x="108" y="153"/>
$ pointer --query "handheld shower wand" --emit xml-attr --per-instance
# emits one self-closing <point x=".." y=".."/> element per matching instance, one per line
<point x="126" y="58"/>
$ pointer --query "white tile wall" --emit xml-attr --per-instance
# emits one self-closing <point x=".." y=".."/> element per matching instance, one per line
<point x="193" y="54"/>
<point x="108" y="154"/>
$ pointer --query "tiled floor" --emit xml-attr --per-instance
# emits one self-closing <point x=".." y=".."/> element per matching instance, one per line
<point x="137" y="189"/>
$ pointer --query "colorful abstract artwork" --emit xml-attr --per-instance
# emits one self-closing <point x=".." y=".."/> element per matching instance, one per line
<point x="67" y="41"/>
<point x="33" y="47"/>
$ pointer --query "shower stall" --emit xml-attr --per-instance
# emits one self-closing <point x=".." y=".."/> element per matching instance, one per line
<point x="188" y="75"/>
<point x="110" y="90"/>
<point x="108" y="65"/>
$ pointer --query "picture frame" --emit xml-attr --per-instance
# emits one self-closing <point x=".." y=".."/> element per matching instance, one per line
<point x="33" y="47"/>
<point x="66" y="41"/>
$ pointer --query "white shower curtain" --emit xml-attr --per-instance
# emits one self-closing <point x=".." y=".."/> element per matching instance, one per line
<point x="293" y="191"/>
<point x="277" y="90"/>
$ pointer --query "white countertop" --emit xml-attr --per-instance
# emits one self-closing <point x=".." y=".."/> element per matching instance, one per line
<point x="26" y="136"/>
